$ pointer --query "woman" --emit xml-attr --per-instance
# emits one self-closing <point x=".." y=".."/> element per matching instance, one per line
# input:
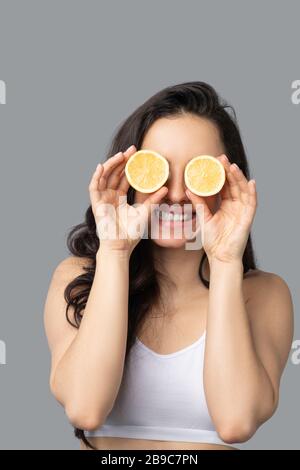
<point x="167" y="347"/>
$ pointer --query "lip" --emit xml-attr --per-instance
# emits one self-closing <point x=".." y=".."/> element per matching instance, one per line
<point x="175" y="222"/>
<point x="176" y="209"/>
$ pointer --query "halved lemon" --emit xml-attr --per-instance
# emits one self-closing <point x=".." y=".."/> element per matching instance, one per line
<point x="146" y="170"/>
<point x="204" y="175"/>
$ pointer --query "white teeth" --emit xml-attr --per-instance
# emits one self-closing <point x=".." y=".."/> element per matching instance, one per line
<point x="169" y="216"/>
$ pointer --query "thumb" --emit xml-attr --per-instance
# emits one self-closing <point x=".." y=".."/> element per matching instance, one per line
<point x="199" y="204"/>
<point x="155" y="198"/>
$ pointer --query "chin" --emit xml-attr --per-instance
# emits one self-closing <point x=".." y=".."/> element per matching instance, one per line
<point x="169" y="243"/>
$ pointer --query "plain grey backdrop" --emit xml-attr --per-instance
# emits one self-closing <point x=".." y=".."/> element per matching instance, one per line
<point x="73" y="71"/>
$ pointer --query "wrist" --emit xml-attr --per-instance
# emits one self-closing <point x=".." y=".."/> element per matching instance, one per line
<point x="112" y="253"/>
<point x="216" y="264"/>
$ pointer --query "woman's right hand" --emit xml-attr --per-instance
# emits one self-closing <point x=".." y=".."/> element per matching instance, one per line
<point x="118" y="223"/>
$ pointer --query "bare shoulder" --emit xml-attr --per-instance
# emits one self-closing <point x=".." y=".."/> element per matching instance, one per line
<point x="259" y="283"/>
<point x="71" y="266"/>
<point x="65" y="271"/>
<point x="268" y="292"/>
<point x="271" y="312"/>
<point x="58" y="330"/>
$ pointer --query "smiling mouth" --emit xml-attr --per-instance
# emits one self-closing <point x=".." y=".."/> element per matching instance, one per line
<point x="174" y="217"/>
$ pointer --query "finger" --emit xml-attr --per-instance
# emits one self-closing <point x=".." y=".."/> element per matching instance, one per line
<point x="242" y="182"/>
<point x="109" y="167"/>
<point x="113" y="180"/>
<point x="111" y="163"/>
<point x="130" y="151"/>
<point x="199" y="204"/>
<point x="155" y="198"/>
<point x="233" y="185"/>
<point x="225" y="191"/>
<point x="102" y="182"/>
<point x="252" y="194"/>
<point x="124" y="183"/>
<point x="251" y="206"/>
<point x="94" y="184"/>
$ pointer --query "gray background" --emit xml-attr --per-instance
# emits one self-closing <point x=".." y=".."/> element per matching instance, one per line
<point x="74" y="70"/>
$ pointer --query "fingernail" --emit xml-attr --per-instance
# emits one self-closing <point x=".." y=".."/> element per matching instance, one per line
<point x="129" y="148"/>
<point x="226" y="158"/>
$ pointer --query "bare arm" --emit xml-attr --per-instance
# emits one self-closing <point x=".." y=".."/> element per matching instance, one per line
<point x="246" y="350"/>
<point x="247" y="346"/>
<point x="87" y="364"/>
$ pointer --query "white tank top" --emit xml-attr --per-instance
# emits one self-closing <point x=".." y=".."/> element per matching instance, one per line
<point x="161" y="397"/>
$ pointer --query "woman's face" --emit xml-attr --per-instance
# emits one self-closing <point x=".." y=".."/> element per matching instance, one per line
<point x="179" y="139"/>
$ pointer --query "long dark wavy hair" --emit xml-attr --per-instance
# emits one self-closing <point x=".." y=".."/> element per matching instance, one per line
<point x="194" y="97"/>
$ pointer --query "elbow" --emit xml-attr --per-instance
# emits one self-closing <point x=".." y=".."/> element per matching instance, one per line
<point x="83" y="419"/>
<point x="79" y="414"/>
<point x="53" y="388"/>
<point x="235" y="432"/>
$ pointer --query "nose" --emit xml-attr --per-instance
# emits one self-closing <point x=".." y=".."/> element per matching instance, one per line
<point x="176" y="189"/>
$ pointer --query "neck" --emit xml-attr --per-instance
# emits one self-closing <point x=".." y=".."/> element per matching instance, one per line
<point x="181" y="267"/>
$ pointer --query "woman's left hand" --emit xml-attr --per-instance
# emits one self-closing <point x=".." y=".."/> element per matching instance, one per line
<point x="225" y="233"/>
